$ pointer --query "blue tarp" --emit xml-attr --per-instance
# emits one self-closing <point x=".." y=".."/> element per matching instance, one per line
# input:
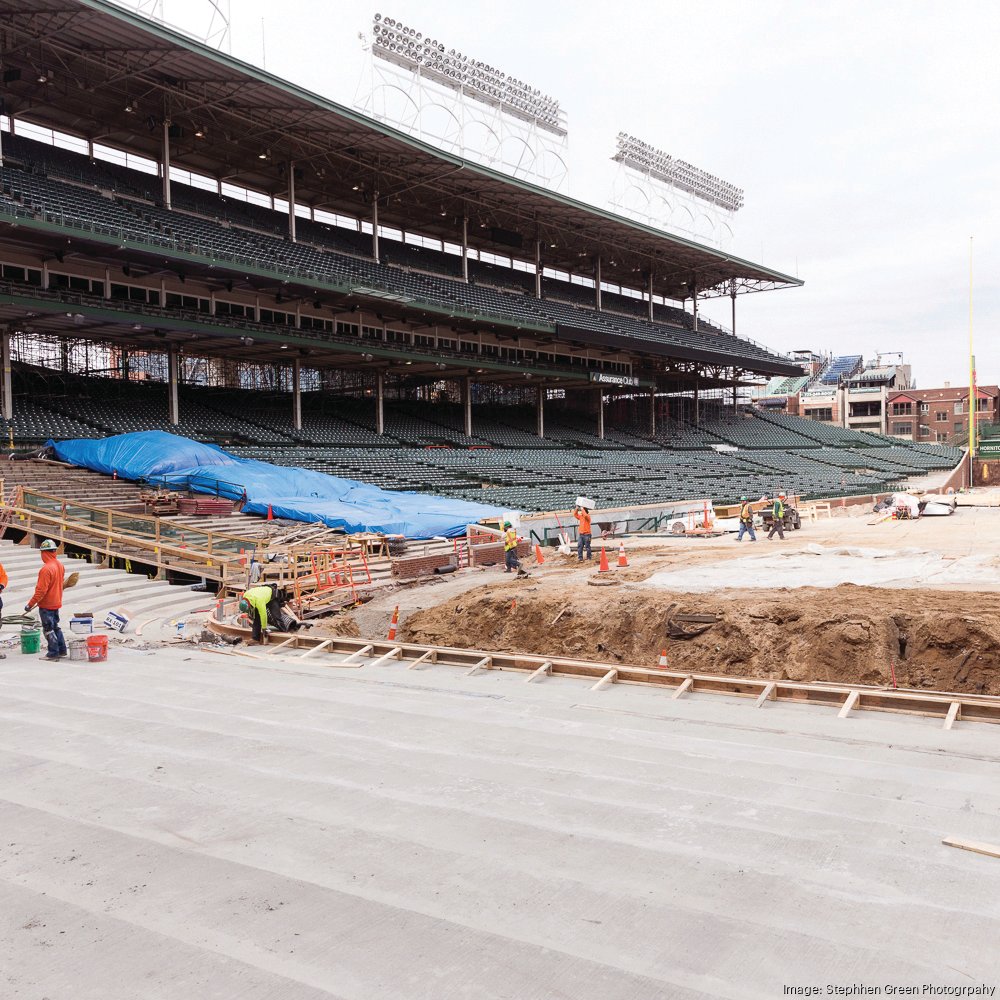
<point x="298" y="494"/>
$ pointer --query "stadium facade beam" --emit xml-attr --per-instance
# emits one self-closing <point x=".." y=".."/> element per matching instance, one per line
<point x="732" y="295"/>
<point x="694" y="303"/>
<point x="165" y="163"/>
<point x="465" y="248"/>
<point x="467" y="404"/>
<point x="173" y="411"/>
<point x="291" y="200"/>
<point x="297" y="394"/>
<point x="597" y="282"/>
<point x="652" y="412"/>
<point x="650" y="295"/>
<point x="697" y="387"/>
<point x="380" y="404"/>
<point x="540" y="407"/>
<point x="538" y="269"/>
<point x="375" y="254"/>
<point x="8" y="396"/>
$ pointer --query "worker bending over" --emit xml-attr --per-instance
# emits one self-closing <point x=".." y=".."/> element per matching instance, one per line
<point x="263" y="606"/>
<point x="778" y="517"/>
<point x="48" y="599"/>
<point x="583" y="535"/>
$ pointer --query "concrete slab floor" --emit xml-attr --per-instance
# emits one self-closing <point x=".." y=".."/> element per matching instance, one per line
<point x="192" y="825"/>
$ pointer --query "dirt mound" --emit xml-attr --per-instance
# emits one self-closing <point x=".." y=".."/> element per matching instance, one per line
<point x="847" y="633"/>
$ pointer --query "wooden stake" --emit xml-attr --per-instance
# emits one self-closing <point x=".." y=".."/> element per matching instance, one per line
<point x="954" y="713"/>
<point x="542" y="671"/>
<point x="852" y="700"/>
<point x="990" y="850"/>
<point x="766" y="695"/>
<point x="609" y="678"/>
<point x="683" y="687"/>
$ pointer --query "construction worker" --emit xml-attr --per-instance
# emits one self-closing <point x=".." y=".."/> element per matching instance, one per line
<point x="264" y="608"/>
<point x="3" y="586"/>
<point x="583" y="535"/>
<point x="778" y="517"/>
<point x="48" y="599"/>
<point x="746" y="521"/>
<point x="510" y="560"/>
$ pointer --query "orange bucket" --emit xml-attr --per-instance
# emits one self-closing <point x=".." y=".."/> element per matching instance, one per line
<point x="97" y="648"/>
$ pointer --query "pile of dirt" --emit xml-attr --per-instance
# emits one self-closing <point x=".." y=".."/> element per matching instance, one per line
<point x="938" y="640"/>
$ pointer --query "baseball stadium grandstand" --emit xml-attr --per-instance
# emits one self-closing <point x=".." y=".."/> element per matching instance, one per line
<point x="190" y="244"/>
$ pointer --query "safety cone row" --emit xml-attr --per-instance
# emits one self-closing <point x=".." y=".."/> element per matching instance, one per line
<point x="622" y="558"/>
<point x="393" y="625"/>
<point x="539" y="558"/>
<point x="604" y="567"/>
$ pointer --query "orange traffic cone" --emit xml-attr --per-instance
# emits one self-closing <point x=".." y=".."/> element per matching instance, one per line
<point x="622" y="558"/>
<point x="539" y="558"/>
<point x="663" y="660"/>
<point x="392" y="625"/>
<point x="270" y="513"/>
<point x="604" y="567"/>
<point x="513" y="606"/>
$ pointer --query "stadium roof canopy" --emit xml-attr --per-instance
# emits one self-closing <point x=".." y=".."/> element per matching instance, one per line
<point x="76" y="65"/>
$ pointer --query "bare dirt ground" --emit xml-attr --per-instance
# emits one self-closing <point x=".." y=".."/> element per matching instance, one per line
<point x="942" y="637"/>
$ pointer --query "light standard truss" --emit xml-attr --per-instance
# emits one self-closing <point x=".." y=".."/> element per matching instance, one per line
<point x="462" y="105"/>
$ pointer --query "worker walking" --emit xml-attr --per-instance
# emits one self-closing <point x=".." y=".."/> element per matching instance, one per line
<point x="264" y="608"/>
<point x="746" y="521"/>
<point x="778" y="517"/>
<point x="510" y="560"/>
<point x="583" y="536"/>
<point x="48" y="599"/>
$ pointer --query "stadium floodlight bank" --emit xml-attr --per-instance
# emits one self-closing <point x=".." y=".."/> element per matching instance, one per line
<point x="641" y="156"/>
<point x="398" y="43"/>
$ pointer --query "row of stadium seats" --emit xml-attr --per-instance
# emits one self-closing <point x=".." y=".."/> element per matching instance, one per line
<point x="252" y="234"/>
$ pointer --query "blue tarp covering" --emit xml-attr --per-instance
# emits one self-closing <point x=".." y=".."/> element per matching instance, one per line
<point x="298" y="494"/>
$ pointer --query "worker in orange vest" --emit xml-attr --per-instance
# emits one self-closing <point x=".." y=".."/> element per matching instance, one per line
<point x="583" y="535"/>
<point x="48" y="599"/>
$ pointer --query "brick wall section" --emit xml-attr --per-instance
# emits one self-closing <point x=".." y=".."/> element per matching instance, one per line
<point x="417" y="566"/>
<point x="492" y="555"/>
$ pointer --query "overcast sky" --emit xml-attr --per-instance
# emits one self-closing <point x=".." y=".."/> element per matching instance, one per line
<point x="866" y="137"/>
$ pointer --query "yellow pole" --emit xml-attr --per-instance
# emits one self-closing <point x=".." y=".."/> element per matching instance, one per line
<point x="972" y="377"/>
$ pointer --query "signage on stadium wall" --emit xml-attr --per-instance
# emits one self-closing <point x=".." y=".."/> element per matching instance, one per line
<point x="607" y="378"/>
<point x="988" y="448"/>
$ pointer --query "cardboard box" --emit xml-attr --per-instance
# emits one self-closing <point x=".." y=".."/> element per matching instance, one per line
<point x="118" y="620"/>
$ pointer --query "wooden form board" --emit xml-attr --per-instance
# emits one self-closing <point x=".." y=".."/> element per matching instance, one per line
<point x="990" y="850"/>
<point x="843" y="699"/>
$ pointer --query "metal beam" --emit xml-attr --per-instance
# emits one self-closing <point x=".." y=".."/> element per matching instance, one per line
<point x="8" y="397"/>
<point x="165" y="162"/>
<point x="296" y="394"/>
<point x="291" y="200"/>
<point x="173" y="411"/>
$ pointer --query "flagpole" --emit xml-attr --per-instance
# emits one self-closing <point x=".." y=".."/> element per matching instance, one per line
<point x="972" y="379"/>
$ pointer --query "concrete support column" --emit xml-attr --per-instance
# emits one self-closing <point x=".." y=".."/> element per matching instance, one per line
<point x="375" y="228"/>
<point x="291" y="200"/>
<point x="296" y="394"/>
<point x="732" y="295"/>
<point x="600" y="414"/>
<point x="45" y="274"/>
<point x="8" y="392"/>
<point x="735" y="380"/>
<point x="465" y="248"/>
<point x="538" y="269"/>
<point x="650" y="295"/>
<point x="166" y="162"/>
<point x="597" y="284"/>
<point x="652" y="411"/>
<point x="694" y="303"/>
<point x="697" y="401"/>
<point x="467" y="404"/>
<point x="540" y="399"/>
<point x="107" y="282"/>
<point x="379" y="404"/>
<point x="173" y="409"/>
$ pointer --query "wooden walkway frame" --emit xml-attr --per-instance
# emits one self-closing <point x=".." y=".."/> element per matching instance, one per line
<point x="843" y="699"/>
